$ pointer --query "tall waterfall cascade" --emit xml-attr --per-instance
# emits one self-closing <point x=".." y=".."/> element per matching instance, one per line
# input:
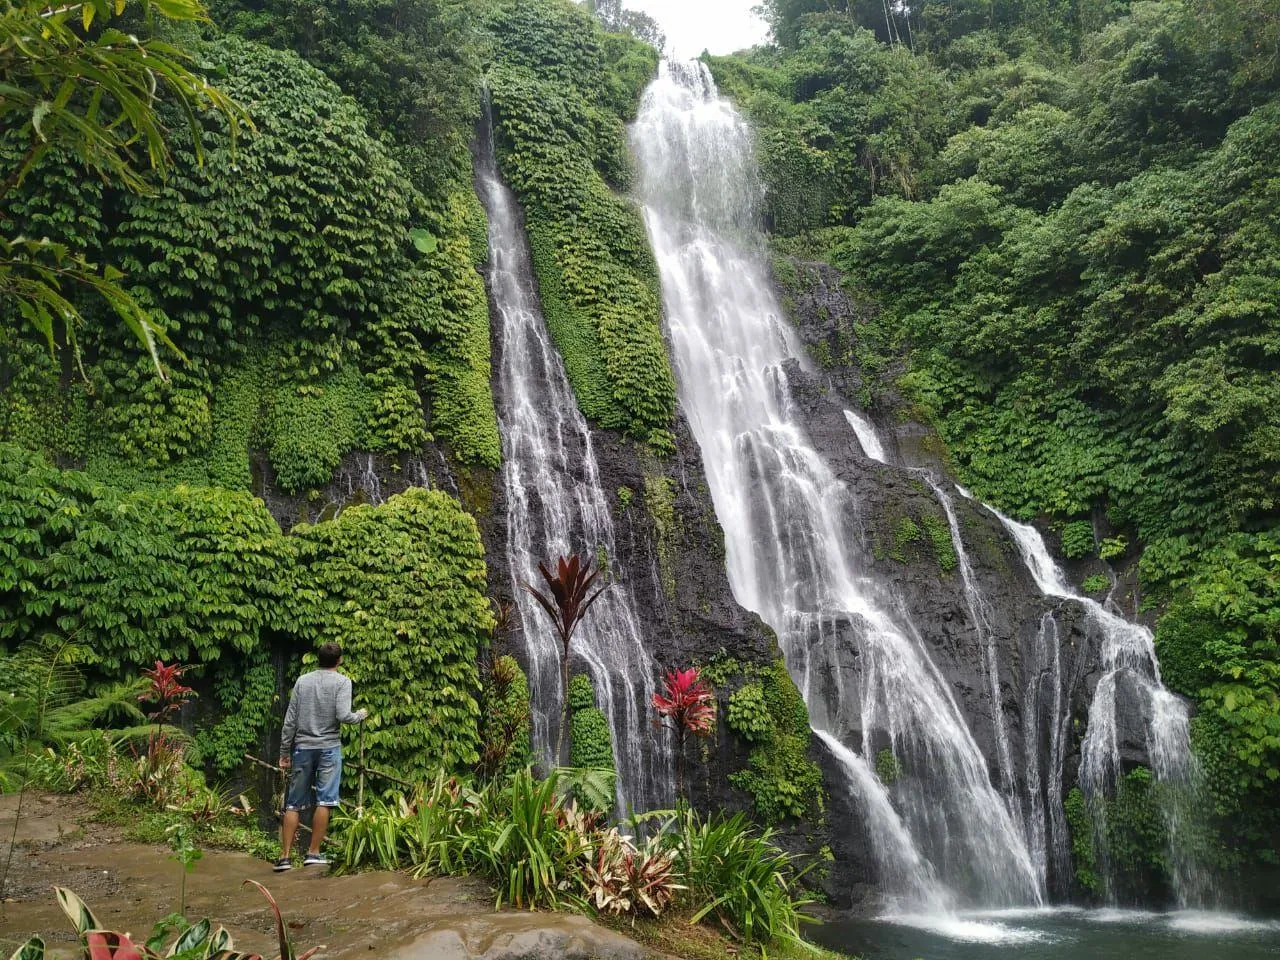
<point x="792" y="550"/>
<point x="555" y="505"/>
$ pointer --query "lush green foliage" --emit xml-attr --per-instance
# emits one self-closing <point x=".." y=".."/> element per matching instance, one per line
<point x="561" y="89"/>
<point x="402" y="587"/>
<point x="505" y="730"/>
<point x="1071" y="237"/>
<point x="287" y="273"/>
<point x="748" y="714"/>
<point x="740" y="876"/>
<point x="590" y="740"/>
<point x="780" y="778"/>
<point x="91" y="93"/>
<point x="539" y="850"/>
<point x="204" y="575"/>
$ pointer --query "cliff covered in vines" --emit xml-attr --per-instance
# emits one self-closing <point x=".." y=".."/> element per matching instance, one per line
<point x="561" y="93"/>
<point x="321" y="282"/>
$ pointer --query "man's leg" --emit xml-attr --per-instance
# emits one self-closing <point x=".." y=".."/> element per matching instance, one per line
<point x="289" y="830"/>
<point x="319" y="825"/>
<point x="297" y="796"/>
<point x="328" y="786"/>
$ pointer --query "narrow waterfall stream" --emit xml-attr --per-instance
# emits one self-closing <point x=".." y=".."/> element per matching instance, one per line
<point x="791" y="550"/>
<point x="1129" y="661"/>
<point x="555" y="505"/>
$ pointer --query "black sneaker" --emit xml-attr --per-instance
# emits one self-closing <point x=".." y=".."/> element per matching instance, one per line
<point x="315" y="860"/>
<point x="281" y="865"/>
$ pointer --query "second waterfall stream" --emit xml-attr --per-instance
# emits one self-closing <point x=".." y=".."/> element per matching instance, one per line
<point x="555" y="505"/>
<point x="789" y="522"/>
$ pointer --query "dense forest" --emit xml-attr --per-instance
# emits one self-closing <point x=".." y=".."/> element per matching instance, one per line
<point x="1059" y="219"/>
<point x="1065" y="214"/>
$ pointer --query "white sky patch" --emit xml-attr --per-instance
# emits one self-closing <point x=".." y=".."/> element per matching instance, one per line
<point x="691" y="26"/>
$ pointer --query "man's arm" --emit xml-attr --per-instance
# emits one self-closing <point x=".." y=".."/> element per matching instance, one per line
<point x="344" y="705"/>
<point x="289" y="730"/>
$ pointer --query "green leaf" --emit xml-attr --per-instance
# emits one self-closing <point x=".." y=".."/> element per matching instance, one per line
<point x="423" y="240"/>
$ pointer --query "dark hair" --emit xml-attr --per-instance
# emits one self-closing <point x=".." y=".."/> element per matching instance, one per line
<point x="330" y="654"/>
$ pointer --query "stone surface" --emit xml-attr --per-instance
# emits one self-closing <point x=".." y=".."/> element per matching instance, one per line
<point x="520" y="936"/>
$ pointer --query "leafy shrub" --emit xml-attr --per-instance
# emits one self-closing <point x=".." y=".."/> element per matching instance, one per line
<point x="780" y="777"/>
<point x="1096" y="583"/>
<point x="748" y="715"/>
<point x="737" y="875"/>
<point x="888" y="767"/>
<point x="540" y="851"/>
<point x="401" y="587"/>
<point x="589" y="739"/>
<point x="1113" y="547"/>
<point x="582" y="695"/>
<point x="505" y="729"/>
<point x="619" y="878"/>
<point x="1077" y="539"/>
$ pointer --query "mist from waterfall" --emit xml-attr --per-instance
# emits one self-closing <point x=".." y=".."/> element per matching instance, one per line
<point x="792" y="549"/>
<point x="555" y="506"/>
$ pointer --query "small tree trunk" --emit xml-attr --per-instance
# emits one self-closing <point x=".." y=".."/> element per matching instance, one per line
<point x="679" y="765"/>
<point x="564" y="707"/>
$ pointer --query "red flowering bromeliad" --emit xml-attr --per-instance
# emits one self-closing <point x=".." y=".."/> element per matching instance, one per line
<point x="166" y="693"/>
<point x="688" y="707"/>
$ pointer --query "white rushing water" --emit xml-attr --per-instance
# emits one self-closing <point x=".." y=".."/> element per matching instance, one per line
<point x="866" y="434"/>
<point x="555" y="506"/>
<point x="1128" y="659"/>
<point x="790" y="525"/>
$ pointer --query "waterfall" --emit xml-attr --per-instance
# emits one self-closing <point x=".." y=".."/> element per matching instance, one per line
<point x="1129" y="657"/>
<point x="866" y="434"/>
<point x="980" y="613"/>
<point x="790" y="524"/>
<point x="555" y="505"/>
<point x="1045" y="718"/>
<point x="912" y="876"/>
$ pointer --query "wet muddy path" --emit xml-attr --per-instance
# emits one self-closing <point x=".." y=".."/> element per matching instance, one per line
<point x="129" y="886"/>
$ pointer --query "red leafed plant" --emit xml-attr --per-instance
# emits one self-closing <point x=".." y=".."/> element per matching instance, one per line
<point x="687" y="707"/>
<point x="166" y="693"/>
<point x="566" y="602"/>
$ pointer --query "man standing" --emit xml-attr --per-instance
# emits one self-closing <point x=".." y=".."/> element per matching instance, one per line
<point x="311" y="750"/>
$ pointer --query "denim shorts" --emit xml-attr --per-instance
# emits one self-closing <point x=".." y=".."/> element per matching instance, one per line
<point x="319" y="768"/>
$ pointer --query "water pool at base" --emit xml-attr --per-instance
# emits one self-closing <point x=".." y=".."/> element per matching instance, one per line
<point x="1064" y="933"/>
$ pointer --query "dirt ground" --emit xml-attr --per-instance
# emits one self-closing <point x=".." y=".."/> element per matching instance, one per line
<point x="129" y="886"/>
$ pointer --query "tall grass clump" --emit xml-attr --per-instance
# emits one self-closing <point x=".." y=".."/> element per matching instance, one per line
<point x="738" y="875"/>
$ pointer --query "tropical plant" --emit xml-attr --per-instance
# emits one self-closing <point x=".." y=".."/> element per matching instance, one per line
<point x="91" y="94"/>
<point x="687" y="706"/>
<point x="165" y="694"/>
<point x="505" y="732"/>
<point x="187" y="854"/>
<point x="738" y="875"/>
<point x="568" y="598"/>
<point x="621" y="878"/>
<point x="198" y="941"/>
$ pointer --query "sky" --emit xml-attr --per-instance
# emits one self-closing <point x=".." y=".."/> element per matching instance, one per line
<point x="721" y="26"/>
